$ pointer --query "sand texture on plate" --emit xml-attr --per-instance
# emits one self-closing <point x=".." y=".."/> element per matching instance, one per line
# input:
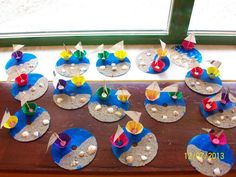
<point x="69" y="70"/>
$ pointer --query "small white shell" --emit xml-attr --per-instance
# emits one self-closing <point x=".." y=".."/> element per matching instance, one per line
<point x="233" y="118"/>
<point x="232" y="110"/>
<point x="45" y="121"/>
<point x="148" y="54"/>
<point x="91" y="149"/>
<point x="110" y="110"/>
<point x="175" y="113"/>
<point x="124" y="67"/>
<point x="36" y="133"/>
<point x="164" y="117"/>
<point x="142" y="63"/>
<point x="72" y="97"/>
<point x="63" y="70"/>
<point x="41" y="84"/>
<point x="72" y="67"/>
<point x="83" y="100"/>
<point x="143" y="157"/>
<point x="118" y="113"/>
<point x="83" y="69"/>
<point x="25" y="134"/>
<point x="129" y="159"/>
<point x="81" y="153"/>
<point x="222" y="117"/>
<point x="197" y="83"/>
<point x="217" y="171"/>
<point x="74" y="163"/>
<point x="192" y="84"/>
<point x="148" y="148"/>
<point x="33" y="89"/>
<point x="209" y="89"/>
<point x="98" y="107"/>
<point x="59" y="100"/>
<point x="113" y="64"/>
<point x="72" y="64"/>
<point x="154" y="109"/>
<point x="218" y="122"/>
<point x="102" y="67"/>
<point x="114" y="68"/>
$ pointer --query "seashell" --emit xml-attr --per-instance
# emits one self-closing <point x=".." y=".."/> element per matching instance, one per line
<point x="209" y="89"/>
<point x="118" y="113"/>
<point x="46" y="121"/>
<point x="83" y="69"/>
<point x="33" y="89"/>
<point x="129" y="159"/>
<point x="232" y="110"/>
<point x="110" y="110"/>
<point x="72" y="64"/>
<point x="192" y="84"/>
<point x="25" y="134"/>
<point x="36" y="133"/>
<point x="175" y="113"/>
<point x="154" y="109"/>
<point x="72" y="67"/>
<point x="81" y="153"/>
<point x="148" y="148"/>
<point x="98" y="107"/>
<point x="72" y="97"/>
<point x="148" y="54"/>
<point x="164" y="117"/>
<point x="222" y="117"/>
<point x="74" y="163"/>
<point x="114" y="68"/>
<point x="143" y="157"/>
<point x="134" y="127"/>
<point x="199" y="158"/>
<point x="102" y="67"/>
<point x="83" y="100"/>
<point x="198" y="83"/>
<point x="124" y="67"/>
<point x="233" y="118"/>
<point x="91" y="149"/>
<point x="217" y="171"/>
<point x="41" y="84"/>
<point x="113" y="64"/>
<point x="218" y="122"/>
<point x="142" y="63"/>
<point x="63" y="70"/>
<point x="59" y="100"/>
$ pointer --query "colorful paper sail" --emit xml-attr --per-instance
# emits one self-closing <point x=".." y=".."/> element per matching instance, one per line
<point x="123" y="95"/>
<point x="209" y="105"/>
<point x="103" y="93"/>
<point x="29" y="108"/>
<point x="66" y="53"/>
<point x="162" y="52"/>
<point x="196" y="72"/>
<point x="78" y="80"/>
<point x="218" y="138"/>
<point x="119" y="139"/>
<point x="21" y="80"/>
<point x="189" y="42"/>
<point x="8" y="121"/>
<point x="135" y="116"/>
<point x="152" y="91"/>
<point x="213" y="72"/>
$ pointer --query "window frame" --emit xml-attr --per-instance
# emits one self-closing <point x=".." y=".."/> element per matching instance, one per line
<point x="179" y="18"/>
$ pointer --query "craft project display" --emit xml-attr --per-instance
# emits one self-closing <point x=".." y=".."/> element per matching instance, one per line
<point x="153" y="61"/>
<point x="113" y="64"/>
<point x="28" y="124"/>
<point x="108" y="105"/>
<point x="210" y="154"/>
<point x="71" y="94"/>
<point x="71" y="64"/>
<point x="29" y="86"/>
<point x="181" y="55"/>
<point x="20" y="62"/>
<point x="73" y="149"/>
<point x="220" y="110"/>
<point x="204" y="81"/>
<point x="165" y="105"/>
<point x="134" y="145"/>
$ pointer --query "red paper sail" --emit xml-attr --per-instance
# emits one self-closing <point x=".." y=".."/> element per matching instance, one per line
<point x="196" y="72"/>
<point x="218" y="138"/>
<point x="209" y="105"/>
<point x="189" y="42"/>
<point x="22" y="80"/>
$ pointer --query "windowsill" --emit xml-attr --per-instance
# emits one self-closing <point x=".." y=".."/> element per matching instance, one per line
<point x="48" y="56"/>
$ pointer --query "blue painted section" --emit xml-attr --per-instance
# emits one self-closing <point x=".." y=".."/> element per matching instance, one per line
<point x="111" y="101"/>
<point x="220" y="106"/>
<point x="22" y="120"/>
<point x="193" y="53"/>
<point x="73" y="59"/>
<point x="77" y="135"/>
<point x="204" y="143"/>
<point x="32" y="80"/>
<point x="72" y="90"/>
<point x="204" y="77"/>
<point x="165" y="99"/>
<point x="111" y="59"/>
<point x="26" y="57"/>
<point x="133" y="139"/>
<point x="167" y="65"/>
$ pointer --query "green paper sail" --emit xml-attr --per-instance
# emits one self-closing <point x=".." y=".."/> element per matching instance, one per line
<point x="103" y="55"/>
<point x="79" y="54"/>
<point x="102" y="90"/>
<point x="25" y="108"/>
<point x="179" y="95"/>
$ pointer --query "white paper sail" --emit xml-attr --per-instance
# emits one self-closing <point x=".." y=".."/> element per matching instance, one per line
<point x="24" y="97"/>
<point x="99" y="49"/>
<point x="52" y="139"/>
<point x="79" y="47"/>
<point x="171" y="88"/>
<point x="191" y="38"/>
<point x="55" y="80"/>
<point x="135" y="116"/>
<point x="17" y="47"/>
<point x="163" y="45"/>
<point x="215" y="63"/>
<point x="153" y="86"/>
<point x="193" y="64"/>
<point x="217" y="97"/>
<point x="5" y="117"/>
<point x="118" y="46"/>
<point x="232" y="98"/>
<point x="123" y="92"/>
<point x="119" y="132"/>
<point x="207" y="129"/>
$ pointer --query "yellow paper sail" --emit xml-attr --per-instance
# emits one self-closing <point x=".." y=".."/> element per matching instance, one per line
<point x="17" y="47"/>
<point x="135" y="116"/>
<point x="119" y="131"/>
<point x="171" y="88"/>
<point x="52" y="139"/>
<point x="123" y="95"/>
<point x="152" y="91"/>
<point x="79" y="47"/>
<point x="215" y="98"/>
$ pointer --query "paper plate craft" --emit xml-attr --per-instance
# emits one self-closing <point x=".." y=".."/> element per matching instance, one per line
<point x="210" y="153"/>
<point x="73" y="149"/>
<point x="220" y="110"/>
<point x="204" y="81"/>
<point x="71" y="94"/>
<point x="113" y="64"/>
<point x="181" y="55"/>
<point x="71" y="64"/>
<point x="20" y="62"/>
<point x="134" y="145"/>
<point x="108" y="105"/>
<point x="28" y="124"/>
<point x="153" y="61"/>
<point x="167" y="105"/>
<point x="29" y="86"/>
